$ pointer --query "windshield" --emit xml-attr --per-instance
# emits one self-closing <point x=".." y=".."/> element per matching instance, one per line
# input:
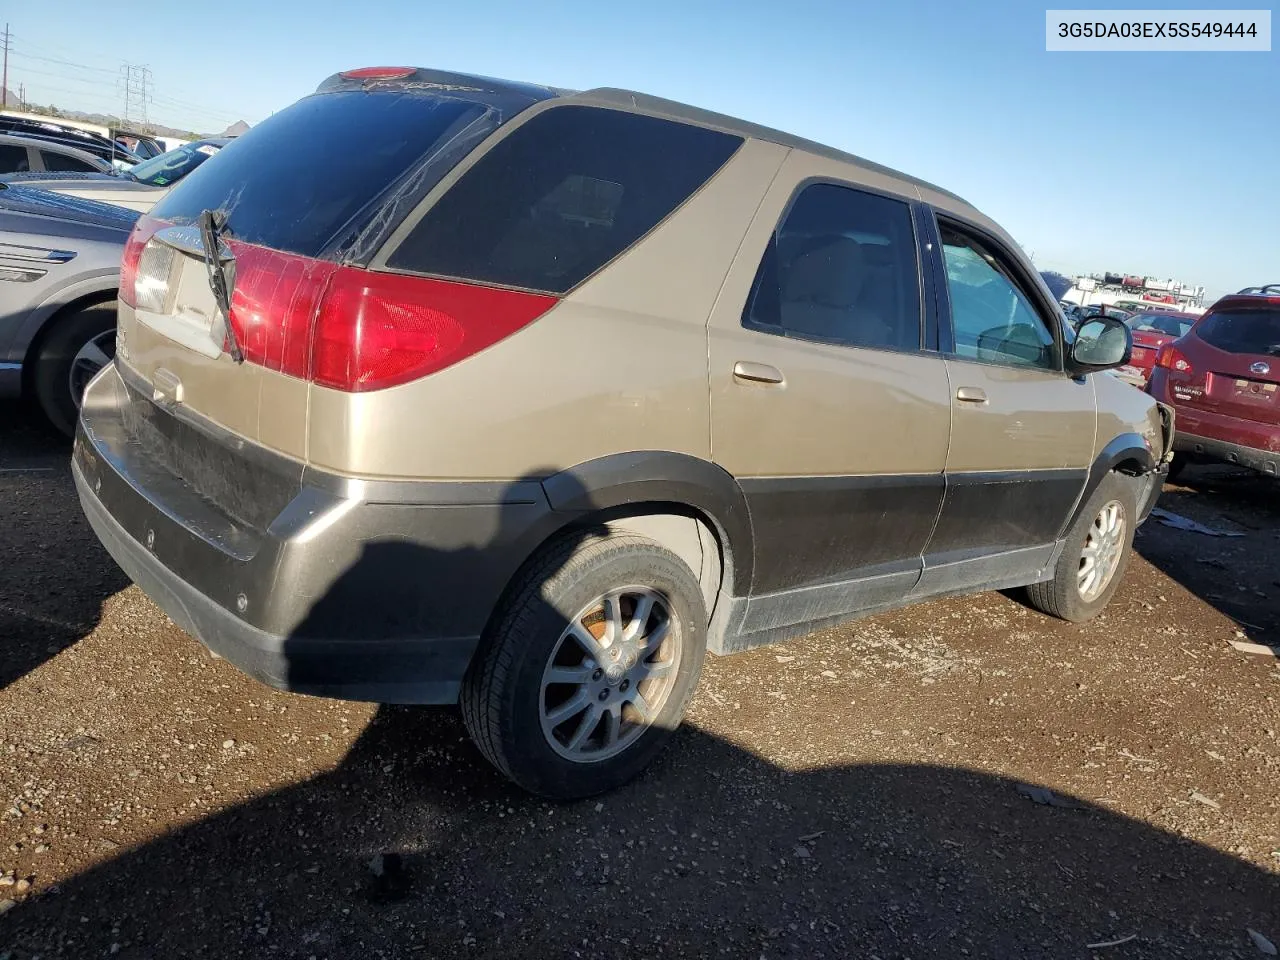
<point x="1159" y="323"/>
<point x="172" y="166"/>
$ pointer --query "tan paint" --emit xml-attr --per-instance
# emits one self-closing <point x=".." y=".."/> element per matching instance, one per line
<point x="1123" y="408"/>
<point x="1033" y="419"/>
<point x="620" y="365"/>
<point x="841" y="410"/>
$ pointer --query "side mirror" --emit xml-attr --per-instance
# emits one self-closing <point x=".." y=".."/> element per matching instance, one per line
<point x="1102" y="343"/>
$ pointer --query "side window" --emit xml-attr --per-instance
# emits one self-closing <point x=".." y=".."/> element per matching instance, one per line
<point x="994" y="321"/>
<point x="13" y="159"/>
<point x="841" y="267"/>
<point x="561" y="196"/>
<point x="61" y="163"/>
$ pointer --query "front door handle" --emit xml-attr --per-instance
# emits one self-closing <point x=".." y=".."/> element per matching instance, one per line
<point x="745" y="371"/>
<point x="971" y="395"/>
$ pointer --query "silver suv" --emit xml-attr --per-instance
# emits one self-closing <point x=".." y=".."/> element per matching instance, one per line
<point x="538" y="396"/>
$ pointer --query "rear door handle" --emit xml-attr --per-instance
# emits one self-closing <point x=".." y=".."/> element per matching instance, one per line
<point x="745" y="371"/>
<point x="971" y="395"/>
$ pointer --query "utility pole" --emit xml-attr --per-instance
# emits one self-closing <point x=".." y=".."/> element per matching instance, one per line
<point x="4" y="83"/>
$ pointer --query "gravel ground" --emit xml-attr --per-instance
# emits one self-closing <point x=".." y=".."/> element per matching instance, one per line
<point x="862" y="792"/>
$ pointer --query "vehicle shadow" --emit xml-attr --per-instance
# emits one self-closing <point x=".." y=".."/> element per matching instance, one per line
<point x="714" y="851"/>
<point x="1235" y="574"/>
<point x="413" y="846"/>
<point x="54" y="575"/>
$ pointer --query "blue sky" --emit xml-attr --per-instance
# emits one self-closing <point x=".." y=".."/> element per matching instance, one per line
<point x="960" y="94"/>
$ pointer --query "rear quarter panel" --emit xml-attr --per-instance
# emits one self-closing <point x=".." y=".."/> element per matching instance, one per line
<point x="619" y="365"/>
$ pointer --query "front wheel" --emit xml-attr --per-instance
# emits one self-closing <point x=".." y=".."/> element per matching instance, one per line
<point x="1095" y="556"/>
<point x="589" y="666"/>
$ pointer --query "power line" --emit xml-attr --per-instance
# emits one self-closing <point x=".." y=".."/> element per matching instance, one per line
<point x="64" y="63"/>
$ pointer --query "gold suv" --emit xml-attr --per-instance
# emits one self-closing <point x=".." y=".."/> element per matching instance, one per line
<point x="434" y="388"/>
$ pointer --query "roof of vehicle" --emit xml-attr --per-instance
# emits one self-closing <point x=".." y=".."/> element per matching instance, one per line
<point x="440" y="80"/>
<point x="1248" y="299"/>
<point x="1267" y="290"/>
<point x="53" y="146"/>
<point x="60" y="207"/>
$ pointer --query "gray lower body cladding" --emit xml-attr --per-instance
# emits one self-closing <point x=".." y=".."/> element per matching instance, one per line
<point x="360" y="590"/>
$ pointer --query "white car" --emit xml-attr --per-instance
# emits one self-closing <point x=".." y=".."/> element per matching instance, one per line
<point x="139" y="188"/>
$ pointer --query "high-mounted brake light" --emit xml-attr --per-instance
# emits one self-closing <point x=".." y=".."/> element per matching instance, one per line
<point x="1170" y="358"/>
<point x="357" y="330"/>
<point x="378" y="73"/>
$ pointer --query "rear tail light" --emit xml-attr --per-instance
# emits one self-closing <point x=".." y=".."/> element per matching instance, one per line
<point x="1171" y="358"/>
<point x="143" y="231"/>
<point x="356" y="330"/>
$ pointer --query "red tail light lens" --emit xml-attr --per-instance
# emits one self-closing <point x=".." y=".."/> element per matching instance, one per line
<point x="377" y="330"/>
<point x="143" y="230"/>
<point x="1172" y="359"/>
<point x="356" y="330"/>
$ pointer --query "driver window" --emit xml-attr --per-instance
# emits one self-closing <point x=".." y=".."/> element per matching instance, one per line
<point x="994" y="321"/>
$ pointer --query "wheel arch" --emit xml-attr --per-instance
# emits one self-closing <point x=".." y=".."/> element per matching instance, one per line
<point x="1126" y="453"/>
<point x="50" y="322"/>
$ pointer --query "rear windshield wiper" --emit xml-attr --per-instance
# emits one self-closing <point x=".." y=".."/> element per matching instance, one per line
<point x="211" y="227"/>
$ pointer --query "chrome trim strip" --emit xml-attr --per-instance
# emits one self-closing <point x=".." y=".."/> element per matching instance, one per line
<point x="188" y="240"/>
<point x="17" y="251"/>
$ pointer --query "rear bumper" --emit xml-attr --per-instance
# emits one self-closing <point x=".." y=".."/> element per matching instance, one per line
<point x="362" y="590"/>
<point x="1264" y="461"/>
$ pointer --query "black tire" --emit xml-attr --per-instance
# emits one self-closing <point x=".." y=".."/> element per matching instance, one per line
<point x="1060" y="597"/>
<point x="56" y="353"/>
<point x="501" y="695"/>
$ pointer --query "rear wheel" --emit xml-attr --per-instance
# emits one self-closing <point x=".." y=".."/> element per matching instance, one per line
<point x="79" y="345"/>
<point x="589" y="666"/>
<point x="1095" y="556"/>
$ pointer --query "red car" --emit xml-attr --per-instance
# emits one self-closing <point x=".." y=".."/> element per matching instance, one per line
<point x="1152" y="329"/>
<point x="1223" y="379"/>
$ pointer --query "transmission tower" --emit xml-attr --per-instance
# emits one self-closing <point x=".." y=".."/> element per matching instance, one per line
<point x="135" y="85"/>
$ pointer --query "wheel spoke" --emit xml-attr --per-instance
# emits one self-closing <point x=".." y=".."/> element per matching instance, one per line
<point x="574" y="705"/>
<point x="644" y="607"/>
<point x="93" y="354"/>
<point x="586" y="640"/>
<point x="655" y="639"/>
<point x="590" y="720"/>
<point x="613" y="619"/>
<point x="575" y="675"/>
<point x="612" y="723"/>
<point x="641" y="706"/>
<point x="656" y="670"/>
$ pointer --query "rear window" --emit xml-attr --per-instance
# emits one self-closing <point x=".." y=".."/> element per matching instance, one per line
<point x="294" y="181"/>
<point x="1251" y="330"/>
<point x="1159" y="323"/>
<point x="562" y="196"/>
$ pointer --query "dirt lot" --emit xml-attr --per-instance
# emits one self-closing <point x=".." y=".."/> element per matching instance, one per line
<point x="853" y="794"/>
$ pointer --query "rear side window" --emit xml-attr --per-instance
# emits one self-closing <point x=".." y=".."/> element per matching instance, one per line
<point x="842" y="267"/>
<point x="61" y="163"/>
<point x="1251" y="330"/>
<point x="561" y="196"/>
<point x="295" y="180"/>
<point x="13" y="159"/>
